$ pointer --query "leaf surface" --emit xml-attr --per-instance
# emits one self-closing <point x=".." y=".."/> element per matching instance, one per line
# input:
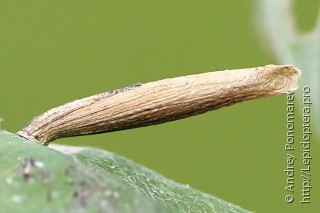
<point x="35" y="178"/>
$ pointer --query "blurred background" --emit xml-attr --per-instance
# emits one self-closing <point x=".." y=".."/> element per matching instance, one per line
<point x="52" y="52"/>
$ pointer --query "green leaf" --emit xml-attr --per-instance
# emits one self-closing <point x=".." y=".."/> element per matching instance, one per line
<point x="35" y="178"/>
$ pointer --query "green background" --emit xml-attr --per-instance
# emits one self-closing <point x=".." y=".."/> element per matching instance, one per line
<point x="52" y="52"/>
